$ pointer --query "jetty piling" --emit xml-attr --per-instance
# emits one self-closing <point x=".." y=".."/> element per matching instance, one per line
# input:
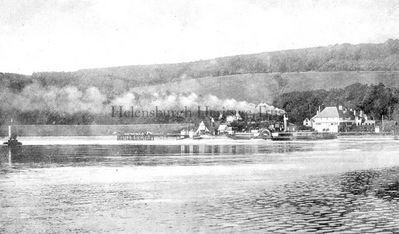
<point x="135" y="137"/>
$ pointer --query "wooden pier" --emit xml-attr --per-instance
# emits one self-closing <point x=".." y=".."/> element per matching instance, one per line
<point x="135" y="137"/>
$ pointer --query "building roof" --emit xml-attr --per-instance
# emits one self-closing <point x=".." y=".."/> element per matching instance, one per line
<point x="334" y="112"/>
<point x="328" y="112"/>
<point x="202" y="127"/>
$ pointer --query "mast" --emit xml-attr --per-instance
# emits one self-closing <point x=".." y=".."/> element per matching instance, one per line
<point x="285" y="122"/>
<point x="10" y="129"/>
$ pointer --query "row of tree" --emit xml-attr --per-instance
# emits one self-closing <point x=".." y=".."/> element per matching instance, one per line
<point x="375" y="100"/>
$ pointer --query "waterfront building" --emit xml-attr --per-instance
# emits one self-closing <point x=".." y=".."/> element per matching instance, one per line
<point x="363" y="120"/>
<point x="292" y="127"/>
<point x="335" y="119"/>
<point x="202" y="129"/>
<point x="326" y="120"/>
<point x="222" y="128"/>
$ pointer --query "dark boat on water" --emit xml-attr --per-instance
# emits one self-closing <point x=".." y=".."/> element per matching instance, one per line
<point x="282" y="136"/>
<point x="288" y="136"/>
<point x="12" y="137"/>
<point x="242" y="136"/>
<point x="262" y="134"/>
<point x="304" y="135"/>
<point x="12" y="142"/>
<point x="314" y="136"/>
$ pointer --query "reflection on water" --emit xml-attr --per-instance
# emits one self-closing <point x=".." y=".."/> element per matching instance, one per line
<point x="339" y="185"/>
<point x="142" y="154"/>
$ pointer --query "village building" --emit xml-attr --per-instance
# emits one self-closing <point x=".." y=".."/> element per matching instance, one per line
<point x="222" y="128"/>
<point x="291" y="127"/>
<point x="326" y="120"/>
<point x="335" y="119"/>
<point x="202" y="129"/>
<point x="363" y="120"/>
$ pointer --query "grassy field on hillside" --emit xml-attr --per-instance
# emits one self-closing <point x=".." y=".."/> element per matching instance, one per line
<point x="263" y="87"/>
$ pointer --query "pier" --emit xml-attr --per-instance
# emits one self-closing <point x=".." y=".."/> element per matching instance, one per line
<point x="135" y="137"/>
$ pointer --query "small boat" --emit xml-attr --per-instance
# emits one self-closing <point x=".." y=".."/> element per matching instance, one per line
<point x="12" y="136"/>
<point x="314" y="136"/>
<point x="203" y="136"/>
<point x="287" y="136"/>
<point x="282" y="136"/>
<point x="12" y="142"/>
<point x="254" y="134"/>
<point x="242" y="136"/>
<point x="208" y="136"/>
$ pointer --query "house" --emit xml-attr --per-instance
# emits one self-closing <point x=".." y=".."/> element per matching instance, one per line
<point x="291" y="127"/>
<point x="334" y="119"/>
<point x="326" y="120"/>
<point x="202" y="129"/>
<point x="362" y="119"/>
<point x="222" y="128"/>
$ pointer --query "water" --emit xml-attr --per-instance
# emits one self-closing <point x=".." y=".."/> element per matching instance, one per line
<point x="348" y="184"/>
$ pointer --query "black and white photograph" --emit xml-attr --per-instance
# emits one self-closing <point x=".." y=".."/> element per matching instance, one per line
<point x="199" y="116"/>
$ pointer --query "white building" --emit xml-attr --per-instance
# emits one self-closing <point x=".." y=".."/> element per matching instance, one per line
<point x="332" y="119"/>
<point x="222" y="128"/>
<point x="202" y="129"/>
<point x="327" y="120"/>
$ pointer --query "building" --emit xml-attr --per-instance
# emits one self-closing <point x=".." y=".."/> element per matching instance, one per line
<point x="363" y="120"/>
<point x="291" y="127"/>
<point x="222" y="128"/>
<point x="202" y="129"/>
<point x="327" y="120"/>
<point x="335" y="119"/>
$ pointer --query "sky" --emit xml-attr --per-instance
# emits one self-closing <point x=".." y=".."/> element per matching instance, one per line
<point x="67" y="35"/>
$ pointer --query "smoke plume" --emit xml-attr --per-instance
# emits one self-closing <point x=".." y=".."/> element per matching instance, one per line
<point x="71" y="100"/>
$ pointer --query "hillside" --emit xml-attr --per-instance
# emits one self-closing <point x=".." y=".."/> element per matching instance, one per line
<point x="335" y="58"/>
<point x="264" y="87"/>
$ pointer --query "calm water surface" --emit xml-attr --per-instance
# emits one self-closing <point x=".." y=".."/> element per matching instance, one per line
<point x="347" y="184"/>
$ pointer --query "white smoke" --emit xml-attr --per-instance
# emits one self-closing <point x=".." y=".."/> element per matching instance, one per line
<point x="70" y="99"/>
<point x="191" y="101"/>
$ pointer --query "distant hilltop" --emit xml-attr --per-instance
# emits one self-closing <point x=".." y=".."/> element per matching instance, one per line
<point x="340" y="57"/>
<point x="253" y="77"/>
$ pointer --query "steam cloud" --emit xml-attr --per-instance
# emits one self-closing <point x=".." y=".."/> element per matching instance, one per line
<point x="71" y="100"/>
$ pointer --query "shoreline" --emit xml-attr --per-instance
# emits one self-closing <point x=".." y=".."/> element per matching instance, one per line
<point x="366" y="134"/>
<point x="111" y="140"/>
